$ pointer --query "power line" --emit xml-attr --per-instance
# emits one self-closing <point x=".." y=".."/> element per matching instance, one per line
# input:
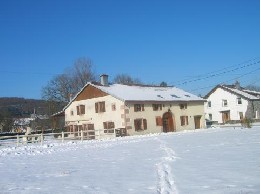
<point x="248" y="73"/>
<point x="219" y="74"/>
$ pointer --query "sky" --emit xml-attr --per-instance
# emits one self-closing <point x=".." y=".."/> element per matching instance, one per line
<point x="193" y="45"/>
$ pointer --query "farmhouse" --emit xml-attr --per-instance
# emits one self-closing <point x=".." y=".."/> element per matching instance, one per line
<point x="133" y="109"/>
<point x="231" y="103"/>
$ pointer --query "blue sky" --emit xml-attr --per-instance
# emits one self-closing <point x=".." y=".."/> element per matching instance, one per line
<point x="152" y="40"/>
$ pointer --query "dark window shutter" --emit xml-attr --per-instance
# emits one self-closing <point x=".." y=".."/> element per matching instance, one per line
<point x="136" y="125"/>
<point x="160" y="121"/>
<point x="105" y="125"/>
<point x="187" y="120"/>
<point x="145" y="123"/>
<point x="77" y="110"/>
<point x="96" y="107"/>
<point x="142" y="107"/>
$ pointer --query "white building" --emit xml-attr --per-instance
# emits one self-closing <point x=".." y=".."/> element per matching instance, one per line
<point x="133" y="109"/>
<point x="231" y="103"/>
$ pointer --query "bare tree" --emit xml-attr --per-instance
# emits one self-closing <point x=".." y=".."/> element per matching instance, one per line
<point x="62" y="87"/>
<point x="82" y="72"/>
<point x="126" y="79"/>
<point x="253" y="87"/>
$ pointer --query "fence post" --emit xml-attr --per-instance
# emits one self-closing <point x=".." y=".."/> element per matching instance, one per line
<point x="62" y="137"/>
<point x="41" y="139"/>
<point x="17" y="143"/>
<point x="81" y="135"/>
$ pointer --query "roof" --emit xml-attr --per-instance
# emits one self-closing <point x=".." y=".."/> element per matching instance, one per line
<point x="148" y="93"/>
<point x="244" y="93"/>
<point x="143" y="93"/>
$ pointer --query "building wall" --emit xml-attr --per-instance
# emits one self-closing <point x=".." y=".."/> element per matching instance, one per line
<point x="217" y="106"/>
<point x="91" y="117"/>
<point x="193" y="109"/>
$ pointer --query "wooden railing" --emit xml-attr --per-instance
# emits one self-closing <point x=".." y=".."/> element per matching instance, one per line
<point x="41" y="138"/>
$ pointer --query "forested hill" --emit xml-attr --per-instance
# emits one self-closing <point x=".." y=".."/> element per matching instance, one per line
<point x="21" y="107"/>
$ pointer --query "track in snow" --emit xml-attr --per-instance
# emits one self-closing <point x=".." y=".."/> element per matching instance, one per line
<point x="166" y="184"/>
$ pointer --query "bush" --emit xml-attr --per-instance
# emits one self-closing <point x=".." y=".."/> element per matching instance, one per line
<point x="246" y="122"/>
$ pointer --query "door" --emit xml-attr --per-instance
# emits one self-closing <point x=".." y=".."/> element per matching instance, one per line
<point x="225" y="116"/>
<point x="197" y="122"/>
<point x="168" y="122"/>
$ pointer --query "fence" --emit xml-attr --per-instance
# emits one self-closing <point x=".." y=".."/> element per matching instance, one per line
<point x="60" y="137"/>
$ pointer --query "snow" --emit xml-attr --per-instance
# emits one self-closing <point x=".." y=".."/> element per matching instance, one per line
<point x="200" y="161"/>
<point x="242" y="93"/>
<point x="148" y="93"/>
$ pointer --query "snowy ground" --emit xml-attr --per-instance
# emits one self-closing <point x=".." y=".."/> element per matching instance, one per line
<point x="204" y="161"/>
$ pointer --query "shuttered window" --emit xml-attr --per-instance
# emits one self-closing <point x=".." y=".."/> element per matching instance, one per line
<point x="100" y="107"/>
<point x="157" y="107"/>
<point x="158" y="121"/>
<point x="138" y="107"/>
<point x="184" y="120"/>
<point x="81" y="110"/>
<point x="140" y="124"/>
<point x="109" y="125"/>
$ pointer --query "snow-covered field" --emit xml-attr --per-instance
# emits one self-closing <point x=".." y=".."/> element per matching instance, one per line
<point x="203" y="161"/>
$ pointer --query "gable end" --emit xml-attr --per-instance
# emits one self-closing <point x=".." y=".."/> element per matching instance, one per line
<point x="90" y="92"/>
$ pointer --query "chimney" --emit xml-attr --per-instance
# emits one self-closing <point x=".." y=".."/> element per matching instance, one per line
<point x="237" y="85"/>
<point x="104" y="80"/>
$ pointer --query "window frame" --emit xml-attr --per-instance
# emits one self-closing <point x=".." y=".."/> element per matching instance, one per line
<point x="157" y="107"/>
<point x="138" y="107"/>
<point x="184" y="120"/>
<point x="140" y="124"/>
<point x="100" y="107"/>
<point x="239" y="101"/>
<point x="224" y="102"/>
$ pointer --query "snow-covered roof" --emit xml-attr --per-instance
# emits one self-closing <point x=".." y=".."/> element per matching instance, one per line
<point x="143" y="93"/>
<point x="148" y="93"/>
<point x="242" y="93"/>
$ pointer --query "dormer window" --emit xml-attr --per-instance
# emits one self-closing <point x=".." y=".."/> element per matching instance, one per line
<point x="174" y="96"/>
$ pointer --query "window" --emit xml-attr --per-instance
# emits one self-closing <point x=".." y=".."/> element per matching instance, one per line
<point x="109" y="125"/>
<point x="100" y="107"/>
<point x="224" y="103"/>
<point x="138" y="107"/>
<point x="239" y="100"/>
<point x="210" y="117"/>
<point x="184" y="120"/>
<point x="183" y="106"/>
<point x="174" y="96"/>
<point x="158" y="121"/>
<point x="157" y="107"/>
<point x="81" y="110"/>
<point x="187" y="95"/>
<point x="140" y="124"/>
<point x="71" y="113"/>
<point x="209" y="104"/>
<point x="113" y="107"/>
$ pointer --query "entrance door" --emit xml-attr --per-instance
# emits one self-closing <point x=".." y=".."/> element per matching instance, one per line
<point x="197" y="122"/>
<point x="168" y="122"/>
<point x="225" y="116"/>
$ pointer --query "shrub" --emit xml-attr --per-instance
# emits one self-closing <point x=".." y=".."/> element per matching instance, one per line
<point x="246" y="122"/>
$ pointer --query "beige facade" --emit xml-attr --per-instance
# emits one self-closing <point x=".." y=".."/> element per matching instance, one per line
<point x="95" y="109"/>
